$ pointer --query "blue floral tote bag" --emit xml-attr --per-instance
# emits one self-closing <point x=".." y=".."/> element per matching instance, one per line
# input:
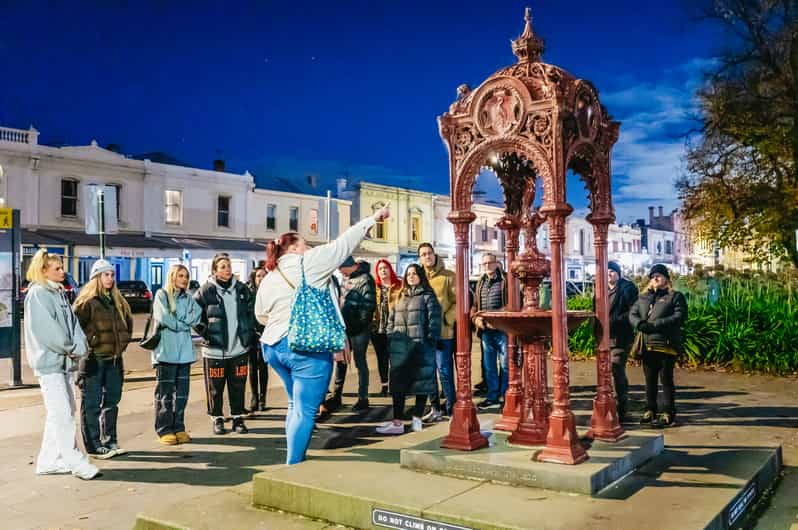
<point x="314" y="324"/>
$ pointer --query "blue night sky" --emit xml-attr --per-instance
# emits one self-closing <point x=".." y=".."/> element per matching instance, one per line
<point x="293" y="88"/>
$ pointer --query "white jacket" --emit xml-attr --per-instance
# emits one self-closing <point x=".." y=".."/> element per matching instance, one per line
<point x="275" y="296"/>
<point x="53" y="336"/>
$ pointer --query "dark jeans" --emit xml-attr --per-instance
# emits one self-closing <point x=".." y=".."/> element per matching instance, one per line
<point x="231" y="372"/>
<point x="100" y="382"/>
<point x="380" y="343"/>
<point x="258" y="378"/>
<point x="444" y="352"/>
<point x="172" y="382"/>
<point x="358" y="344"/>
<point x="399" y="406"/>
<point x="619" y="357"/>
<point x="657" y="365"/>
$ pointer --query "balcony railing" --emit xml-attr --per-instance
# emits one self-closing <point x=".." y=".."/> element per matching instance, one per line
<point x="19" y="136"/>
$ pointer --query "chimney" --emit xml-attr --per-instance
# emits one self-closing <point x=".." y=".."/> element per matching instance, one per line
<point x="115" y="148"/>
<point x="650" y="215"/>
<point x="313" y="181"/>
<point x="340" y="185"/>
<point x="218" y="165"/>
<point x="660" y="211"/>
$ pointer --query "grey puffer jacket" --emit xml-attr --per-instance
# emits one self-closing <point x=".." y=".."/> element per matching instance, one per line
<point x="413" y="329"/>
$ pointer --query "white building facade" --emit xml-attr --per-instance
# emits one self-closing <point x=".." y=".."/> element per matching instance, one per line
<point x="166" y="213"/>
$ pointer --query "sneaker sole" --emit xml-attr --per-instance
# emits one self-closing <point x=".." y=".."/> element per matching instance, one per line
<point x="106" y="456"/>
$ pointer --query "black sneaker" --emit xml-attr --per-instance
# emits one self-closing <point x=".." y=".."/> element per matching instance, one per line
<point x="333" y="403"/>
<point x="621" y="412"/>
<point x="362" y="405"/>
<point x="103" y="453"/>
<point x="239" y="427"/>
<point x="647" y="418"/>
<point x="218" y="426"/>
<point x="486" y="404"/>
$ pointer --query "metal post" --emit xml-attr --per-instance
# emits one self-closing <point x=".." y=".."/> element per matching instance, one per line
<point x="16" y="345"/>
<point x="329" y="217"/>
<point x="101" y="220"/>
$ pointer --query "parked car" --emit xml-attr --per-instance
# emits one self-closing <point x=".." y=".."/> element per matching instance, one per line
<point x="137" y="294"/>
<point x="70" y="287"/>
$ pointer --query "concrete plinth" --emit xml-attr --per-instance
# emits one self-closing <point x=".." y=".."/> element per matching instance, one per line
<point x="503" y="462"/>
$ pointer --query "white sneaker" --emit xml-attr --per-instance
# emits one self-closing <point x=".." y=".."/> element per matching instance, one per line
<point x="117" y="450"/>
<point x="391" y="428"/>
<point x="86" y="472"/>
<point x="54" y="471"/>
<point x="417" y="425"/>
<point x="433" y="416"/>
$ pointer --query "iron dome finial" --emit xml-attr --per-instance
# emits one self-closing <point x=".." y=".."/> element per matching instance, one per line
<point x="528" y="47"/>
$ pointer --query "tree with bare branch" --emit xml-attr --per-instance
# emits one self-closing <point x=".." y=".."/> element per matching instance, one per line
<point x="741" y="186"/>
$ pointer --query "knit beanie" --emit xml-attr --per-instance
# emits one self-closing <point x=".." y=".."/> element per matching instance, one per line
<point x="659" y="268"/>
<point x="613" y="266"/>
<point x="100" y="266"/>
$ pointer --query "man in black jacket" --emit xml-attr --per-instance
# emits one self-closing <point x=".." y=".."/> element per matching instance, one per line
<point x="358" y="301"/>
<point x="623" y="295"/>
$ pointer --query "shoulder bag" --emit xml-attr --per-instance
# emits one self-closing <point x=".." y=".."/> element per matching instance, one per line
<point x="314" y="325"/>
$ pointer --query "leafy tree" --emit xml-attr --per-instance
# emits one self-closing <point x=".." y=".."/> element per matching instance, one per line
<point x="741" y="188"/>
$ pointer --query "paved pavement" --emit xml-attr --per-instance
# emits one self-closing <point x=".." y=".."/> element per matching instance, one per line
<point x="716" y="408"/>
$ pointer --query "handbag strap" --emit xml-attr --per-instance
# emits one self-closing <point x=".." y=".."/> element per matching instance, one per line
<point x="291" y="285"/>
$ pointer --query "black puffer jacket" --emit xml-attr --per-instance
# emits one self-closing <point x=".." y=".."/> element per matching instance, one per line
<point x="360" y="299"/>
<point x="621" y="331"/>
<point x="213" y="322"/>
<point x="665" y="311"/>
<point x="413" y="329"/>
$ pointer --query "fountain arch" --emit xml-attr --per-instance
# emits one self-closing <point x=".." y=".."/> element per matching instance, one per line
<point x="533" y="120"/>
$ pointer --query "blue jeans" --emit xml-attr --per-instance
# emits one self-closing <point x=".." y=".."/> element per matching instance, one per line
<point x="306" y="376"/>
<point x="445" y="368"/>
<point x="494" y="347"/>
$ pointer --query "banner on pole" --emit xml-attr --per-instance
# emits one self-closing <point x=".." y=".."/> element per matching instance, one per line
<point x="91" y="211"/>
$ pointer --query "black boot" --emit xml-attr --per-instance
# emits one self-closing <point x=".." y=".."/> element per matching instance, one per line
<point x="218" y="426"/>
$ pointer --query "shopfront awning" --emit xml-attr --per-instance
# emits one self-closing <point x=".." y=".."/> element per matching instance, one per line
<point x="139" y="241"/>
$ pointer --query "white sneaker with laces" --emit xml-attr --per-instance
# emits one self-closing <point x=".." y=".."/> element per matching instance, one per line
<point x="117" y="450"/>
<point x="391" y="428"/>
<point x="417" y="425"/>
<point x="86" y="471"/>
<point x="433" y="416"/>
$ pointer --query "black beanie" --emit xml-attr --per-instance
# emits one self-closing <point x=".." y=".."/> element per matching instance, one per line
<point x="613" y="266"/>
<point x="659" y="268"/>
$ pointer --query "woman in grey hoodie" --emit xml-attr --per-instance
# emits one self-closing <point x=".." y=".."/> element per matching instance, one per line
<point x="54" y="344"/>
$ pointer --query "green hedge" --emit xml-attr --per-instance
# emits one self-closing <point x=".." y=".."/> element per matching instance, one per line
<point x="736" y="321"/>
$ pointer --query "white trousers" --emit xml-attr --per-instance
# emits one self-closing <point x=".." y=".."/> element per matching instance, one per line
<point x="59" y="452"/>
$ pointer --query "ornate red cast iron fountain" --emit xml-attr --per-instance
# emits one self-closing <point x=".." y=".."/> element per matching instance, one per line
<point x="527" y="122"/>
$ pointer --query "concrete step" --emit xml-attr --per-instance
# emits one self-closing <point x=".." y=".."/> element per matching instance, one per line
<point x="228" y="509"/>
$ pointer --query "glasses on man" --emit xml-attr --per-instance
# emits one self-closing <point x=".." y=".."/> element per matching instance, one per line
<point x="486" y="263"/>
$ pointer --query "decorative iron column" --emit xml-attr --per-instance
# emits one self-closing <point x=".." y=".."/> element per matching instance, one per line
<point x="562" y="442"/>
<point x="464" y="427"/>
<point x="604" y="423"/>
<point x="515" y="390"/>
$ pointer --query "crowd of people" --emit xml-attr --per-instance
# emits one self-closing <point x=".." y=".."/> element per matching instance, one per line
<point x="245" y="328"/>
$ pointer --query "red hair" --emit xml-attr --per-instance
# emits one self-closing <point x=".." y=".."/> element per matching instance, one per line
<point x="394" y="278"/>
<point x="275" y="249"/>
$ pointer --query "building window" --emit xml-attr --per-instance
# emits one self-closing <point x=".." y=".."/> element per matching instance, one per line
<point x="223" y="211"/>
<point x="415" y="228"/>
<point x="314" y="221"/>
<point x="484" y="230"/>
<point x="615" y="246"/>
<point x="69" y="197"/>
<point x="293" y="219"/>
<point x="581" y="242"/>
<point x="668" y="247"/>
<point x="659" y="247"/>
<point x="173" y="201"/>
<point x="118" y="188"/>
<point x="271" y="217"/>
<point x="380" y="228"/>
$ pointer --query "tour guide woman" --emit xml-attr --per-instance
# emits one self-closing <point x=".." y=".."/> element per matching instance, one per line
<point x="306" y="375"/>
